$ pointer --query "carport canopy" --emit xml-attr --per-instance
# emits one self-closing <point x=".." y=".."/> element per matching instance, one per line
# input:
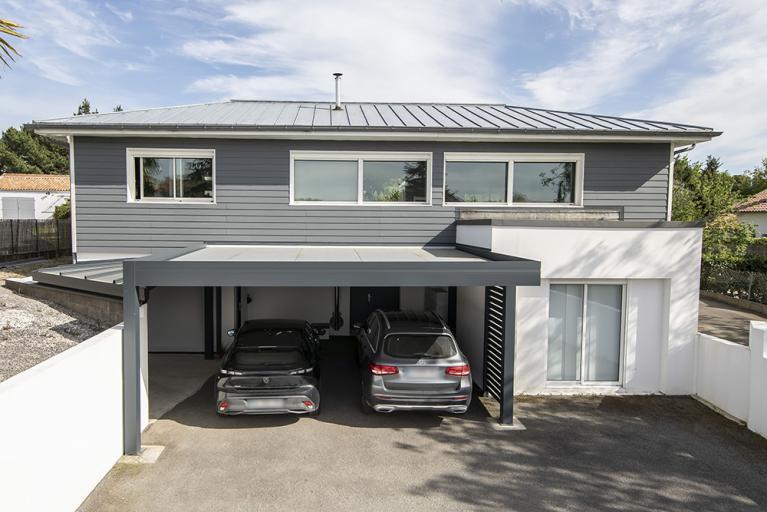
<point x="291" y="265"/>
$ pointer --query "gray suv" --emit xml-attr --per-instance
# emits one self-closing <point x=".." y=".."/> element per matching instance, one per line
<point x="410" y="361"/>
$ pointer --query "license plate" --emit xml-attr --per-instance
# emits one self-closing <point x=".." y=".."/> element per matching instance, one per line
<point x="265" y="403"/>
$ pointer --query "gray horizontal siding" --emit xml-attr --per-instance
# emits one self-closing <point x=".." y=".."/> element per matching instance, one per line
<point x="252" y="189"/>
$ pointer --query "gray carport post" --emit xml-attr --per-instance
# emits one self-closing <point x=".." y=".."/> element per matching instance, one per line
<point x="163" y="270"/>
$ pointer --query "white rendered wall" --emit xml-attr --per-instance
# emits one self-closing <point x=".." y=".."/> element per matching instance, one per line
<point x="176" y="321"/>
<point x="45" y="203"/>
<point x="759" y="220"/>
<point x="733" y="377"/>
<point x="314" y="304"/>
<point x="470" y="327"/>
<point x="52" y="456"/>
<point x="660" y="268"/>
<point x="757" y="411"/>
<point x="723" y="369"/>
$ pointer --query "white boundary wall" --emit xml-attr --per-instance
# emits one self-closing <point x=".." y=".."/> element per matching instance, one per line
<point x="61" y="428"/>
<point x="733" y="377"/>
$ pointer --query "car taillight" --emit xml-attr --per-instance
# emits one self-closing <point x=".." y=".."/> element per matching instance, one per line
<point x="308" y="404"/>
<point x="223" y="405"/>
<point x="460" y="371"/>
<point x="382" y="369"/>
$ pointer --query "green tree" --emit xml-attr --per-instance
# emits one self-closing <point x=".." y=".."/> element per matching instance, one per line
<point x="7" y="51"/>
<point x="705" y="192"/>
<point x="753" y="181"/>
<point x="702" y="191"/>
<point x="25" y="151"/>
<point x="85" y="108"/>
<point x="118" y="108"/>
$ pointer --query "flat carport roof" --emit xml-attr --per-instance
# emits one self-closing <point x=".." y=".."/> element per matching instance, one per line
<point x="290" y="265"/>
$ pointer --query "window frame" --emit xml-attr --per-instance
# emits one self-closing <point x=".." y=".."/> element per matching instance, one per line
<point x="509" y="159"/>
<point x="582" y="383"/>
<point x="360" y="157"/>
<point x="132" y="153"/>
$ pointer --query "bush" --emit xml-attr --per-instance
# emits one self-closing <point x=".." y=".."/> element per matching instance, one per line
<point x="726" y="241"/>
<point x="62" y="211"/>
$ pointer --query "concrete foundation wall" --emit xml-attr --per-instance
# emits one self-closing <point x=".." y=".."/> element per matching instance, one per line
<point x="105" y="311"/>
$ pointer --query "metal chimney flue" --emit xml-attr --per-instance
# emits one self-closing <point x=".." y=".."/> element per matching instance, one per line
<point x="338" y="91"/>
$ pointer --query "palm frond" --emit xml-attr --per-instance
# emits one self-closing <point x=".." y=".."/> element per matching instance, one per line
<point x="9" y="27"/>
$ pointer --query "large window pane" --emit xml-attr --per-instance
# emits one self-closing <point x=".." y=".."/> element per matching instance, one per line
<point x="394" y="181"/>
<point x="194" y="177"/>
<point x="543" y="182"/>
<point x="476" y="182"/>
<point x="325" y="180"/>
<point x="603" y="332"/>
<point x="565" y="329"/>
<point x="158" y="177"/>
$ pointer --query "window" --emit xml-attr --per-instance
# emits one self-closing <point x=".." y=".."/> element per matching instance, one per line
<point x="160" y="175"/>
<point x="420" y="346"/>
<point x="585" y="333"/>
<point x="513" y="179"/>
<point x="325" y="180"/>
<point x="476" y="182"/>
<point x="360" y="178"/>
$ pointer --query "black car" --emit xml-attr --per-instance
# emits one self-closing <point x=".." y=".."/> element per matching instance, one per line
<point x="271" y="367"/>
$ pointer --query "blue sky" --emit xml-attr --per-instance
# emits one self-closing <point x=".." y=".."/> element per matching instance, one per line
<point x="693" y="61"/>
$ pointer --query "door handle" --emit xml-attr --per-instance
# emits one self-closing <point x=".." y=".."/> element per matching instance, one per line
<point x="370" y="298"/>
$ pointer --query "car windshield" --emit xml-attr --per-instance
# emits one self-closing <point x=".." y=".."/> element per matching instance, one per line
<point x="258" y="348"/>
<point x="260" y="338"/>
<point x="419" y="346"/>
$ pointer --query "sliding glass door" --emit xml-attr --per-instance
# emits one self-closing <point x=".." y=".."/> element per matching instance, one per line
<point x="585" y="333"/>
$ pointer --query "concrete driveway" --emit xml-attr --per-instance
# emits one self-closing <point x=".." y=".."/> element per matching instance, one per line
<point x="616" y="454"/>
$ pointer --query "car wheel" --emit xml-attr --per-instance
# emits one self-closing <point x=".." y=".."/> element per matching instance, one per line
<point x="365" y="407"/>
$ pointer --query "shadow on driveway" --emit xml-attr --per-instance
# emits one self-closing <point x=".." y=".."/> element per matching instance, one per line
<point x="614" y="454"/>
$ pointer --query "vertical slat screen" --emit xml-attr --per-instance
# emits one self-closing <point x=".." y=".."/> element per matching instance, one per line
<point x="495" y="326"/>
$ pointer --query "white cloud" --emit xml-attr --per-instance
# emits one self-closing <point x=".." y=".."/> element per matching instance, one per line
<point x="719" y="48"/>
<point x="439" y="50"/>
<point x="126" y="15"/>
<point x="730" y="91"/>
<point x="628" y="39"/>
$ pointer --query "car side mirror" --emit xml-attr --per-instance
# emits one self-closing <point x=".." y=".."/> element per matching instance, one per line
<point x="231" y="333"/>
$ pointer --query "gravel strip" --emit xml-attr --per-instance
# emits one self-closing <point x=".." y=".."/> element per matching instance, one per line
<point x="32" y="331"/>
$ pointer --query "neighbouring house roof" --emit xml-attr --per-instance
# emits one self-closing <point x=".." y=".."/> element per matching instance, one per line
<point x="754" y="204"/>
<point x="312" y="117"/>
<point x="23" y="182"/>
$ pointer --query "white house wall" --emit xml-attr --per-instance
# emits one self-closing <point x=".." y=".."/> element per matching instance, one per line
<point x="660" y="268"/>
<point x="470" y="327"/>
<point x="45" y="203"/>
<point x="758" y="219"/>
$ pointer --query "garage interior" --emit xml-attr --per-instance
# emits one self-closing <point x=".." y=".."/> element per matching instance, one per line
<point x="472" y="288"/>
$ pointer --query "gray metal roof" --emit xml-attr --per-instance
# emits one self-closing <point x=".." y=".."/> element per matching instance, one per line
<point x="397" y="117"/>
<point x="103" y="277"/>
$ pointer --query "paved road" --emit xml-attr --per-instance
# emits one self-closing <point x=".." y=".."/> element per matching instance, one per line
<point x="725" y="321"/>
<point x="614" y="453"/>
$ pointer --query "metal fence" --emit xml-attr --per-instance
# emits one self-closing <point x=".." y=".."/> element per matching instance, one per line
<point x="30" y="238"/>
<point x="735" y="283"/>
